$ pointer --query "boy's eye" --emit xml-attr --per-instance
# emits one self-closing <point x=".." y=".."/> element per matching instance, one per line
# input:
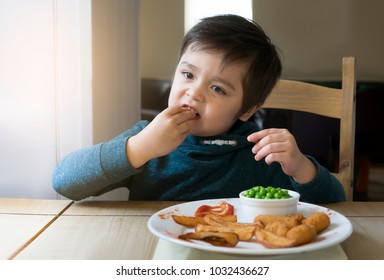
<point x="188" y="75"/>
<point x="218" y="89"/>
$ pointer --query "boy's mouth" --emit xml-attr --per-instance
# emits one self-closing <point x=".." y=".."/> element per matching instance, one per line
<point x="197" y="115"/>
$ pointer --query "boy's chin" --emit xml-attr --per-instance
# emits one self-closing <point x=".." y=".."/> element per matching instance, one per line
<point x="200" y="133"/>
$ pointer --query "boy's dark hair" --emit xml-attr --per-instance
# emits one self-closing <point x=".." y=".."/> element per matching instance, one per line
<point x="241" y="40"/>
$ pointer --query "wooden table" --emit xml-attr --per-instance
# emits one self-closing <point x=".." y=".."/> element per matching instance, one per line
<point x="48" y="229"/>
<point x="22" y="220"/>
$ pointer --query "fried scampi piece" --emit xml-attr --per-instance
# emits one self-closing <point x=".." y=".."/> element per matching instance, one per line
<point x="244" y="233"/>
<point x="319" y="221"/>
<point x="301" y="234"/>
<point x="289" y="220"/>
<point x="225" y="239"/>
<point x="290" y="231"/>
<point x="191" y="221"/>
<point x="278" y="228"/>
<point x="270" y="240"/>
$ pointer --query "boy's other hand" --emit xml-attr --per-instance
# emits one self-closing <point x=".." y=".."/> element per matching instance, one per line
<point x="163" y="135"/>
<point x="279" y="145"/>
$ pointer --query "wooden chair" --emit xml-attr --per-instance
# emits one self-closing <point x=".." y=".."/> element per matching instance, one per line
<point x="330" y="102"/>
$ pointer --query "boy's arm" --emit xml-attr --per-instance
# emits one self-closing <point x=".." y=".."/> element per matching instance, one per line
<point x="323" y="188"/>
<point x="103" y="167"/>
<point x="91" y="171"/>
<point x="313" y="181"/>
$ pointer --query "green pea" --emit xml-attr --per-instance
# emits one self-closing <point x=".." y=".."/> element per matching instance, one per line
<point x="277" y="195"/>
<point x="251" y="193"/>
<point x="268" y="192"/>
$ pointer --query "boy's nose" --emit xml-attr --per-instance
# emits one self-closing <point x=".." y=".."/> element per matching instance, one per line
<point x="196" y="93"/>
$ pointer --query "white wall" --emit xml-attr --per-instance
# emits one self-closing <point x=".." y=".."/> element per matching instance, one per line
<point x="47" y="92"/>
<point x="41" y="57"/>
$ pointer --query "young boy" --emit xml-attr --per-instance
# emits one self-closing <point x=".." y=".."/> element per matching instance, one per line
<point x="202" y="146"/>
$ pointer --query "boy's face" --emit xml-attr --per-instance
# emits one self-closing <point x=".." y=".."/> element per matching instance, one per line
<point x="214" y="92"/>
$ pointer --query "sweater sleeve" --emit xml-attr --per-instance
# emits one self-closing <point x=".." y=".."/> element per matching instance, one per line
<point x="324" y="188"/>
<point x="97" y="169"/>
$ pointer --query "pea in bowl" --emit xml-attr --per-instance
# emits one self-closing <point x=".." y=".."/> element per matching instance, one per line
<point x="283" y="203"/>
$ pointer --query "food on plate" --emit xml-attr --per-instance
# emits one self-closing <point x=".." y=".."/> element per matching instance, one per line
<point x="221" y="224"/>
<point x="319" y="221"/>
<point x="215" y="220"/>
<point x="302" y="234"/>
<point x="226" y="239"/>
<point x="187" y="221"/>
<point x="289" y="220"/>
<point x="271" y="240"/>
<point x="271" y="231"/>
<point x="223" y="209"/>
<point x="269" y="192"/>
<point x="245" y="233"/>
<point x="277" y="227"/>
<point x="191" y="221"/>
<point x="278" y="230"/>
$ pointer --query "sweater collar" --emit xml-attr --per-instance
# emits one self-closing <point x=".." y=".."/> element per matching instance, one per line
<point x="236" y="138"/>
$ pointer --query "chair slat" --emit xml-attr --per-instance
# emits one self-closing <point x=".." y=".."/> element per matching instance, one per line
<point x="330" y="102"/>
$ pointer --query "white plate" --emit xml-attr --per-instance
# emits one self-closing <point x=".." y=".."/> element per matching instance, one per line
<point x="162" y="225"/>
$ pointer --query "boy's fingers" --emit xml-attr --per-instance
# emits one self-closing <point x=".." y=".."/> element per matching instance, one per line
<point x="185" y="116"/>
<point x="185" y="126"/>
<point x="255" y="137"/>
<point x="181" y="114"/>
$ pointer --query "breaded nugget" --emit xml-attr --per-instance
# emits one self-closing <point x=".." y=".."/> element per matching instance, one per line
<point x="278" y="228"/>
<point x="270" y="240"/>
<point x="302" y="234"/>
<point x="289" y="220"/>
<point x="319" y="221"/>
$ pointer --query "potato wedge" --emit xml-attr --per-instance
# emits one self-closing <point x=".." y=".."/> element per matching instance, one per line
<point x="225" y="239"/>
<point x="212" y="218"/>
<point x="244" y="233"/>
<point x="188" y="221"/>
<point x="191" y="221"/>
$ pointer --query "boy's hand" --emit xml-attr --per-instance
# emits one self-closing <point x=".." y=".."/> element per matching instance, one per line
<point x="163" y="135"/>
<point x="279" y="145"/>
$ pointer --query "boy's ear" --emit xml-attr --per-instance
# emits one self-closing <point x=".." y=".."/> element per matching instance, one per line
<point x="249" y="113"/>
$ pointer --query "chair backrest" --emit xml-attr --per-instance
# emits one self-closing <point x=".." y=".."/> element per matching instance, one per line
<point x="330" y="102"/>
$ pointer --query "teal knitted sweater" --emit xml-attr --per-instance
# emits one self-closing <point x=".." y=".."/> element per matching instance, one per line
<point x="200" y="168"/>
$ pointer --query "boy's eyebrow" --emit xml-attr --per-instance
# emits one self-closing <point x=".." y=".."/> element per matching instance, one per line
<point x="184" y="63"/>
<point x="215" y="77"/>
<point x="225" y="82"/>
